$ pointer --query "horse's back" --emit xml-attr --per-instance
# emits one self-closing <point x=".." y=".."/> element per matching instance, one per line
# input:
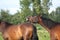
<point x="26" y="26"/>
<point x="14" y="32"/>
<point x="27" y="29"/>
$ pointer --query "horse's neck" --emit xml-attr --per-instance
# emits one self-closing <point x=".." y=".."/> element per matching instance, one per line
<point x="42" y="24"/>
<point x="47" y="23"/>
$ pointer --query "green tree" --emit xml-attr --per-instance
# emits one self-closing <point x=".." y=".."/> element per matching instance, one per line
<point x="15" y="19"/>
<point x="58" y="10"/>
<point x="55" y="15"/>
<point x="25" y="10"/>
<point x="58" y="14"/>
<point x="0" y="15"/>
<point x="5" y="16"/>
<point x="46" y="5"/>
<point x="37" y="9"/>
<point x="41" y="6"/>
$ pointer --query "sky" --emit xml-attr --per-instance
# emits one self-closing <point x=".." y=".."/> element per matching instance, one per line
<point x="55" y="4"/>
<point x="13" y="5"/>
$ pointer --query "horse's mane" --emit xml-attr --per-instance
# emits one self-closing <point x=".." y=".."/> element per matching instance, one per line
<point x="48" y="22"/>
<point x="6" y="24"/>
<point x="0" y="21"/>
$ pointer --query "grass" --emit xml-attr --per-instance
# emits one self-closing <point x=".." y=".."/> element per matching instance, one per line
<point x="1" y="38"/>
<point x="42" y="33"/>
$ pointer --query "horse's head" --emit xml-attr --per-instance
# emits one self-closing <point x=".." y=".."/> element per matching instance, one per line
<point x="34" y="19"/>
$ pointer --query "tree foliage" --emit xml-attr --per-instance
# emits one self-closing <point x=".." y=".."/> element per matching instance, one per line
<point x="37" y="9"/>
<point x="55" y="15"/>
<point x="46" y="5"/>
<point x="5" y="16"/>
<point x="29" y="8"/>
<point x="25" y="10"/>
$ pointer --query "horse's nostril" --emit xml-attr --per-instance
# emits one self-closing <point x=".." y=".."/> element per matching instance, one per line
<point x="6" y="39"/>
<point x="56" y="39"/>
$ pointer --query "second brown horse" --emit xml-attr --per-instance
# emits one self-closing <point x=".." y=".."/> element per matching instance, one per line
<point x="24" y="31"/>
<point x="52" y="27"/>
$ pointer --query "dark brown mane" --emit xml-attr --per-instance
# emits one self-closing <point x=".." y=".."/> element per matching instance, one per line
<point x="6" y="24"/>
<point x="49" y="22"/>
<point x="0" y="21"/>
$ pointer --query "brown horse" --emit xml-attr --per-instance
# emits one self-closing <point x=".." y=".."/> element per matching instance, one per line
<point x="52" y="27"/>
<point x="24" y="31"/>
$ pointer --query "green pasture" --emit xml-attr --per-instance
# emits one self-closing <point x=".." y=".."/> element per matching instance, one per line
<point x="1" y="38"/>
<point x="42" y="33"/>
